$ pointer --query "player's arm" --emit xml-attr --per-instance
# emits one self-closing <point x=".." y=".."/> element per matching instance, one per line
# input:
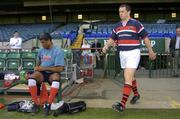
<point x="144" y="35"/>
<point x="58" y="61"/>
<point x="38" y="59"/>
<point x="38" y="63"/>
<point x="51" y="69"/>
<point x="109" y="43"/>
<point x="147" y="42"/>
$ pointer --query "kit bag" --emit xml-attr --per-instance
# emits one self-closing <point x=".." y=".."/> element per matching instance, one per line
<point x="14" y="106"/>
<point x="70" y="108"/>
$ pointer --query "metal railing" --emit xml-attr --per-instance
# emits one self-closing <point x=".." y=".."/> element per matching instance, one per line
<point x="165" y="66"/>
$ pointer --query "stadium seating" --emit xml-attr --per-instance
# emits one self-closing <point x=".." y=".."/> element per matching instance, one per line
<point x="2" y="61"/>
<point x="13" y="61"/>
<point x="27" y="31"/>
<point x="104" y="30"/>
<point x="68" y="31"/>
<point x="28" y="61"/>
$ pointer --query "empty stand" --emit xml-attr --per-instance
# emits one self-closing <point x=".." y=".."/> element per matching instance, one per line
<point x="27" y="31"/>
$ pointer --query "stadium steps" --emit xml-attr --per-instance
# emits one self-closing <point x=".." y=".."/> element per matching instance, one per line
<point x="78" y="42"/>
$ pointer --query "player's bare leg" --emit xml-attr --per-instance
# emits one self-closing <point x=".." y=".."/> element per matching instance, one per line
<point x="128" y="76"/>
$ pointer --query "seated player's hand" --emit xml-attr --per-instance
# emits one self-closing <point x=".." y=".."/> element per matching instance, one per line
<point x="38" y="68"/>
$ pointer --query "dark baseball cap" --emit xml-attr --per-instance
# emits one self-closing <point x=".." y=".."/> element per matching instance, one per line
<point x="45" y="36"/>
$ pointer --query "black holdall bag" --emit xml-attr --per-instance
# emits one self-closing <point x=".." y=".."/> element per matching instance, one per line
<point x="70" y="108"/>
<point x="2" y="75"/>
<point x="14" y="106"/>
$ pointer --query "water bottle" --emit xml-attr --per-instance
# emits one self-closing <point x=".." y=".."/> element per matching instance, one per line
<point x="23" y="75"/>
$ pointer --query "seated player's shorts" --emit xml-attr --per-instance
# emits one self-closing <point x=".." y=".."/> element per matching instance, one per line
<point x="129" y="59"/>
<point x="46" y="76"/>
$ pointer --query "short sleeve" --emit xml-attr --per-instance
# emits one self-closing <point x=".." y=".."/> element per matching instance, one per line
<point x="113" y="35"/>
<point x="141" y="30"/>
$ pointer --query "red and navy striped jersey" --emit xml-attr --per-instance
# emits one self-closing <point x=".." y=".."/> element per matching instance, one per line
<point x="128" y="37"/>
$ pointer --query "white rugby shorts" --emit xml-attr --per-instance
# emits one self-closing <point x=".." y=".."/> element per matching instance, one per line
<point x="129" y="59"/>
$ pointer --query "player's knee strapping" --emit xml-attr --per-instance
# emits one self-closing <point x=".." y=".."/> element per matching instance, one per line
<point x="55" y="84"/>
<point x="31" y="82"/>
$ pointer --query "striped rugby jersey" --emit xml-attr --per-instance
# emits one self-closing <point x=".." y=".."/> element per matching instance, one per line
<point x="128" y="37"/>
